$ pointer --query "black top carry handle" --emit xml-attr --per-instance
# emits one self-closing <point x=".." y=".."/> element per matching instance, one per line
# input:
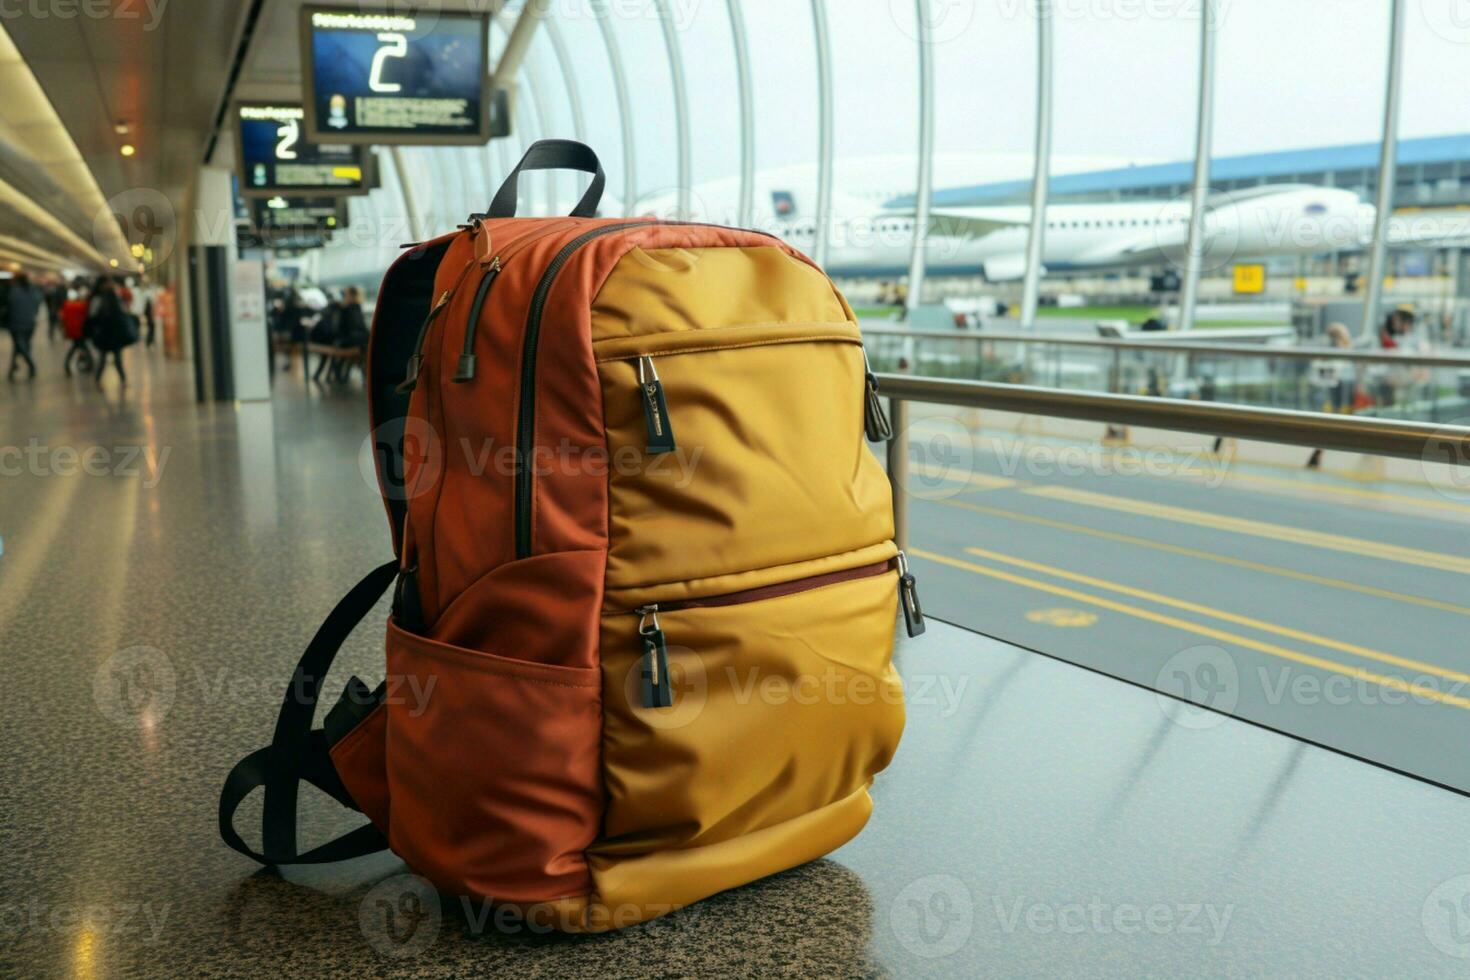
<point x="553" y="155"/>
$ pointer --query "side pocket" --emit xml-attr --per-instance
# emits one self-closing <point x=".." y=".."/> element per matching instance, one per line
<point x="493" y="769"/>
<point x="359" y="758"/>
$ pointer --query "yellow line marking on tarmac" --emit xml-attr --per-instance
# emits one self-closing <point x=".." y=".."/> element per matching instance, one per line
<point x="974" y="481"/>
<point x="1266" y="484"/>
<point x="1261" y="529"/>
<point x="1321" y="663"/>
<point x="1179" y="549"/>
<point x="1313" y="638"/>
<point x="1314" y="487"/>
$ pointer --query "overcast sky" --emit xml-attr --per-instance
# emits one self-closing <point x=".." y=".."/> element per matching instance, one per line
<point x="1291" y="73"/>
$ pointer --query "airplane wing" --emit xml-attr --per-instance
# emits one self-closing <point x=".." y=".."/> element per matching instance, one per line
<point x="1444" y="228"/>
<point x="972" y="222"/>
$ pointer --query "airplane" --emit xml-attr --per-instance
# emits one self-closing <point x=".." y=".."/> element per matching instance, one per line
<point x="872" y="238"/>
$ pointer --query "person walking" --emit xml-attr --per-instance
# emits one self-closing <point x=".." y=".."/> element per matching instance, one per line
<point x="74" y="325"/>
<point x="25" y="300"/>
<point x="110" y="327"/>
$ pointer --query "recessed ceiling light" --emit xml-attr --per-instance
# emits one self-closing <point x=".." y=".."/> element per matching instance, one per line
<point x="112" y="262"/>
<point x="127" y="149"/>
<point x="121" y="129"/>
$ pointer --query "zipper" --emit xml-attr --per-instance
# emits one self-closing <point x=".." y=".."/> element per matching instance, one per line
<point x="526" y="415"/>
<point x="466" y="370"/>
<point x="416" y="360"/>
<point x="875" y="421"/>
<point x="908" y="598"/>
<point x="655" y="408"/>
<point x="656" y="684"/>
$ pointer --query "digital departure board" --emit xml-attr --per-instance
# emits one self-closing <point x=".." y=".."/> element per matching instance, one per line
<point x="387" y="77"/>
<point x="299" y="213"/>
<point x="276" y="156"/>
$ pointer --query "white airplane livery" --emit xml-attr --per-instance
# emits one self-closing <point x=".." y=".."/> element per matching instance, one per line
<point x="870" y="238"/>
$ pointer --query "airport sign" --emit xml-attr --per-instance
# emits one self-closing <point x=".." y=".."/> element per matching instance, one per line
<point x="386" y="77"/>
<point x="299" y="213"/>
<point x="275" y="156"/>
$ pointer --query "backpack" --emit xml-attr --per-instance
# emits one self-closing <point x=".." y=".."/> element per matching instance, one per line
<point x="645" y="587"/>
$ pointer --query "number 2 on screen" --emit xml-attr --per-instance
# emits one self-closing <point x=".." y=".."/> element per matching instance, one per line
<point x="290" y="134"/>
<point x="394" y="46"/>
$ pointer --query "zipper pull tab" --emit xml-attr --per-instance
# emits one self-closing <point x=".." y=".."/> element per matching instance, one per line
<point x="467" y="366"/>
<point x="875" y="421"/>
<point x="655" y="408"/>
<point x="416" y="361"/>
<point x="908" y="598"/>
<point x="658" y="688"/>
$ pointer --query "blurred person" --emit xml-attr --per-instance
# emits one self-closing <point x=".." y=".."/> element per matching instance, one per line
<point x="55" y="298"/>
<point x="24" y="303"/>
<point x="1336" y="377"/>
<point x="110" y="327"/>
<point x="74" y="325"/>
<point x="141" y="307"/>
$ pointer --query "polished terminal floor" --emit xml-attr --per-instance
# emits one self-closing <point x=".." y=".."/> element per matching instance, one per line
<point x="1039" y="820"/>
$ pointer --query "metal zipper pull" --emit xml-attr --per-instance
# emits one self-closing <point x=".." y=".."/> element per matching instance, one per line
<point x="658" y="688"/>
<point x="416" y="361"/>
<point x="875" y="420"/>
<point x="655" y="408"/>
<point x="467" y="367"/>
<point x="908" y="597"/>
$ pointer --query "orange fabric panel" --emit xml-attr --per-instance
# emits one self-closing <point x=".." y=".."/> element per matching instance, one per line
<point x="493" y="769"/>
<point x="360" y="761"/>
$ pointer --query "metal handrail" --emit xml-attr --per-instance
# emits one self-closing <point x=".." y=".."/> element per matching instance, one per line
<point x="1375" y="436"/>
<point x="1321" y="430"/>
<point x="1178" y="346"/>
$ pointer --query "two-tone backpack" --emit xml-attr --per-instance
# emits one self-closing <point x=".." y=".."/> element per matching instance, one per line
<point x="645" y="588"/>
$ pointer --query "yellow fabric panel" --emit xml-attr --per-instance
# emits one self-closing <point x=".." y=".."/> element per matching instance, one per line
<point x="622" y="600"/>
<point x="653" y="884"/>
<point x="724" y="338"/>
<point x="781" y="707"/>
<point x="653" y="291"/>
<point x="771" y="466"/>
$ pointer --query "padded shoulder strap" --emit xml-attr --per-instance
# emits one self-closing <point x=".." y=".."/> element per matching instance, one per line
<point x="298" y="752"/>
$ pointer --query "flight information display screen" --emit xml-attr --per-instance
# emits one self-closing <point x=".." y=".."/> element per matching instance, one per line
<point x="300" y="213"/>
<point x="276" y="156"/>
<point x="385" y="77"/>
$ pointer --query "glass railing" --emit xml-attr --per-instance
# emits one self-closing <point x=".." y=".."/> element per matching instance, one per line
<point x="1386" y="384"/>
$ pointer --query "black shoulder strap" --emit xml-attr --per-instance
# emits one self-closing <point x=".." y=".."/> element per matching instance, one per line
<point x="299" y="752"/>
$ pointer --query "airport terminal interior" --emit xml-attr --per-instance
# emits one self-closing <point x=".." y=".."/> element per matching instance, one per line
<point x="936" y="489"/>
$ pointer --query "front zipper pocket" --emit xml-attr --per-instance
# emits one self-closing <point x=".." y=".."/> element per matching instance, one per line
<point x="657" y="684"/>
<point x="737" y="448"/>
<point x="782" y="700"/>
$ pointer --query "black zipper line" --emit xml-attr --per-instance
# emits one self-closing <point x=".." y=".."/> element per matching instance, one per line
<point x="526" y="419"/>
